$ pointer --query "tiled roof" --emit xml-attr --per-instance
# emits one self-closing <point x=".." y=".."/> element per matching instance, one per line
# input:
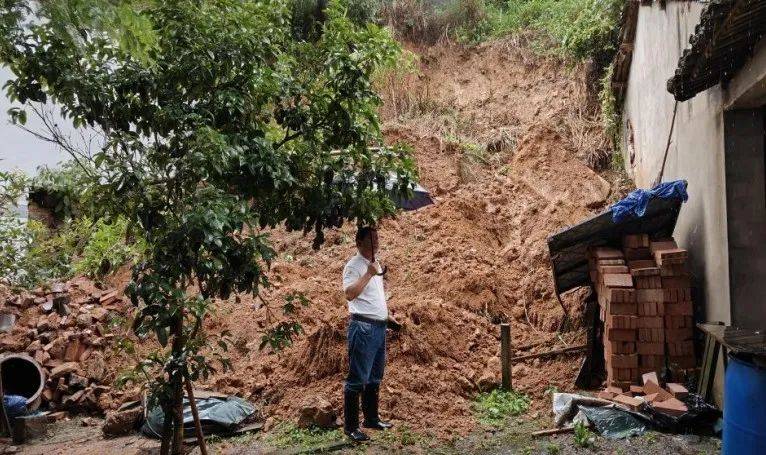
<point x="722" y="42"/>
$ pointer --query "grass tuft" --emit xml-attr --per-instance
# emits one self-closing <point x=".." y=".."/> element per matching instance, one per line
<point x="494" y="408"/>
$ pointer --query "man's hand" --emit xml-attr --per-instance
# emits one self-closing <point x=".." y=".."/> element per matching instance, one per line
<point x="355" y="289"/>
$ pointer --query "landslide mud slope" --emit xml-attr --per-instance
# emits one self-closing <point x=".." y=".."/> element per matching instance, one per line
<point x="502" y="139"/>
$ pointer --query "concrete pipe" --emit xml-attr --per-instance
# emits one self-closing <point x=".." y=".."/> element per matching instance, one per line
<point x="23" y="376"/>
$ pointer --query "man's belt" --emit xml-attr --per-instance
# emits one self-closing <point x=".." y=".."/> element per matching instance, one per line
<point x="360" y="318"/>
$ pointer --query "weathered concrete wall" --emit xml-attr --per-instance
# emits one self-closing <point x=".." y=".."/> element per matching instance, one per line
<point x="696" y="153"/>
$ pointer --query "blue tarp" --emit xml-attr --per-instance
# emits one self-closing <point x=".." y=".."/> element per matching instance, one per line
<point x="634" y="204"/>
<point x="15" y="406"/>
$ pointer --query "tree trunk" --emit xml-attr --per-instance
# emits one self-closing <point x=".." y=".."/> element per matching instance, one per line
<point x="167" y="429"/>
<point x="178" y="391"/>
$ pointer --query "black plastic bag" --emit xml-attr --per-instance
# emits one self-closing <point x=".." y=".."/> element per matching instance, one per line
<point x="701" y="416"/>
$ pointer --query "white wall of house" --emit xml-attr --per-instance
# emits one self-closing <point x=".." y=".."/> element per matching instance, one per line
<point x="696" y="152"/>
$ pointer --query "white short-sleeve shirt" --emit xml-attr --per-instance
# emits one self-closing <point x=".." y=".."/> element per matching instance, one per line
<point x="371" y="302"/>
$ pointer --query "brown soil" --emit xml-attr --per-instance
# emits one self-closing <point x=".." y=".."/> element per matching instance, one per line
<point x="457" y="268"/>
<point x="501" y="139"/>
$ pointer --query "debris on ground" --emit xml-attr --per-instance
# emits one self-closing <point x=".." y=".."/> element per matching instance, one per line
<point x="65" y="330"/>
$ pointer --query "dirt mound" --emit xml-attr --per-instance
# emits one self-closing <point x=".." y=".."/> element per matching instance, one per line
<point x="501" y="139"/>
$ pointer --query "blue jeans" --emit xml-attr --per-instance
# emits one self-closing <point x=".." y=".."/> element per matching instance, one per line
<point x="366" y="354"/>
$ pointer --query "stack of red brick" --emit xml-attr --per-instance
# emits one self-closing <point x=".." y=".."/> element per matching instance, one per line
<point x="645" y="303"/>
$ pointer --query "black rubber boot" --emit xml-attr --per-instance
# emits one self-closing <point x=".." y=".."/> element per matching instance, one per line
<point x="351" y="417"/>
<point x="370" y="409"/>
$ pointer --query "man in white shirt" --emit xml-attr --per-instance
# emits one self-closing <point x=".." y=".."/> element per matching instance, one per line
<point x="363" y="288"/>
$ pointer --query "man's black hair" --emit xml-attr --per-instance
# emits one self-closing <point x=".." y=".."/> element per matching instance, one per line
<point x="363" y="233"/>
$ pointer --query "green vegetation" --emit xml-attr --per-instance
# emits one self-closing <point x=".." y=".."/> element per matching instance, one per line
<point x="552" y="448"/>
<point x="582" y="435"/>
<point x="66" y="189"/>
<point x="289" y="435"/>
<point x="494" y="408"/>
<point x="33" y="254"/>
<point x="575" y="29"/>
<point x="218" y="122"/>
<point x="610" y="112"/>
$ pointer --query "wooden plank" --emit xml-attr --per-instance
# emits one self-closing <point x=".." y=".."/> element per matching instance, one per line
<point x="552" y="431"/>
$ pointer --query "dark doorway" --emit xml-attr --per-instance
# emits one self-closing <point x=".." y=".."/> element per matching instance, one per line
<point x="745" y="139"/>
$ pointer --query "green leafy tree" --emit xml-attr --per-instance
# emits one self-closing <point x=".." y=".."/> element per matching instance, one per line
<point x="218" y="123"/>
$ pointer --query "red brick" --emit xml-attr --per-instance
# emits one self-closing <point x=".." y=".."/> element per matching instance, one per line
<point x="677" y="390"/>
<point x="649" y="363"/>
<point x="674" y="335"/>
<point x="606" y="269"/>
<point x="650" y="377"/>
<point x="627" y="374"/>
<point x="678" y="322"/>
<point x="651" y="348"/>
<point x="648" y="282"/>
<point x="630" y="402"/>
<point x="638" y="269"/>
<point x="662" y="245"/>
<point x="603" y="252"/>
<point x="650" y="398"/>
<point x="679" y="309"/>
<point x="674" y="270"/>
<point x="632" y="254"/>
<point x="621" y="308"/>
<point x="625" y="361"/>
<point x="649" y="295"/>
<point x="651" y="335"/>
<point x="618" y="280"/>
<point x="673" y="256"/>
<point x="620" y="347"/>
<point x="651" y="308"/>
<point x="601" y="262"/>
<point x="620" y="335"/>
<point x="637" y="389"/>
<point x="670" y="406"/>
<point x="604" y="395"/>
<point x="614" y="390"/>
<point x="676" y="282"/>
<point x="616" y="383"/>
<point x="670" y="295"/>
<point x="650" y="322"/>
<point x="621" y="321"/>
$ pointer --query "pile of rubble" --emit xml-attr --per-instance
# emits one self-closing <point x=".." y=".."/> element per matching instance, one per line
<point x="68" y="338"/>
<point x="666" y="400"/>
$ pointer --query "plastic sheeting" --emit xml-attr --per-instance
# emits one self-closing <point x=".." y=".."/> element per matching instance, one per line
<point x="634" y="204"/>
<point x="217" y="416"/>
<point x="608" y="420"/>
<point x="613" y="422"/>
<point x="700" y="417"/>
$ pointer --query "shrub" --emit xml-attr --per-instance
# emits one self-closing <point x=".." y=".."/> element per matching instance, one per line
<point x="64" y="190"/>
<point x="107" y="249"/>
